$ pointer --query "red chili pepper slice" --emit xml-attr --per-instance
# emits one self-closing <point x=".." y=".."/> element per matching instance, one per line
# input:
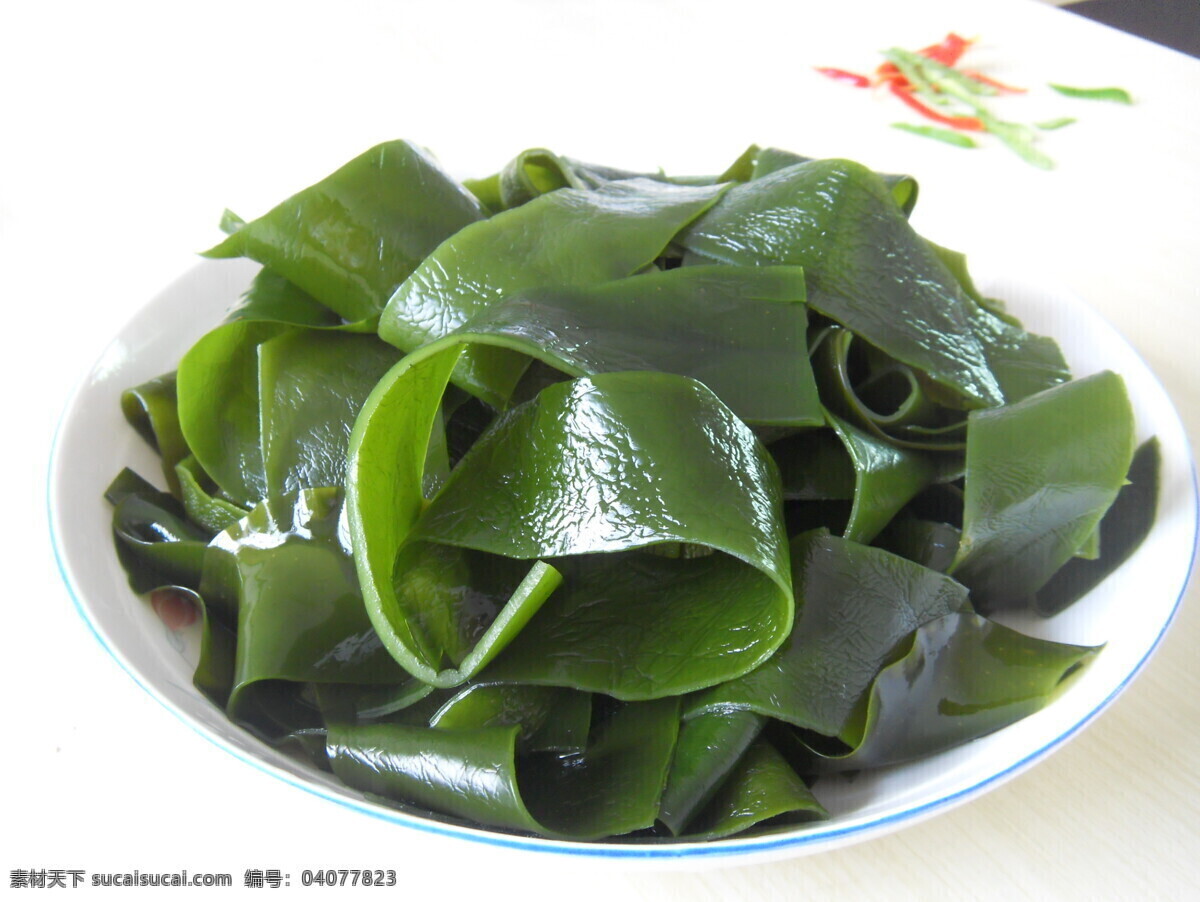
<point x="850" y="78"/>
<point x="991" y="82"/>
<point x="888" y="72"/>
<point x="963" y="123"/>
<point x="949" y="51"/>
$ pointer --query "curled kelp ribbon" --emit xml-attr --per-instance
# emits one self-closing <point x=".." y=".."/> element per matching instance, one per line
<point x="565" y="239"/>
<point x="890" y="400"/>
<point x="589" y="503"/>
<point x="576" y="474"/>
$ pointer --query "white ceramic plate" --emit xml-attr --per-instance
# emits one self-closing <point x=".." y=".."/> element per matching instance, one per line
<point x="1130" y="611"/>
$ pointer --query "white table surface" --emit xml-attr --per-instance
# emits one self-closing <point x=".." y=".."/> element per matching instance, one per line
<point x="128" y="127"/>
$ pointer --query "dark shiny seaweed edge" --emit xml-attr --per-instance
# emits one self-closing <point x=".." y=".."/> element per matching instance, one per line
<point x="750" y="846"/>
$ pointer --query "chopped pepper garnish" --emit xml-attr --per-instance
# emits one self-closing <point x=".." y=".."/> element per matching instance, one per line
<point x="850" y="78"/>
<point x="992" y="83"/>
<point x="1048" y="125"/>
<point x="1117" y="95"/>
<point x="965" y="123"/>
<point x="944" y="135"/>
<point x="930" y="82"/>
<point x="949" y="51"/>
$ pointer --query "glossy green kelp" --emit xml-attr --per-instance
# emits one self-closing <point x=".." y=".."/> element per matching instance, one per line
<point x="574" y="475"/>
<point x="589" y="503"/>
<point x="565" y="239"/>
<point x="352" y="238"/>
